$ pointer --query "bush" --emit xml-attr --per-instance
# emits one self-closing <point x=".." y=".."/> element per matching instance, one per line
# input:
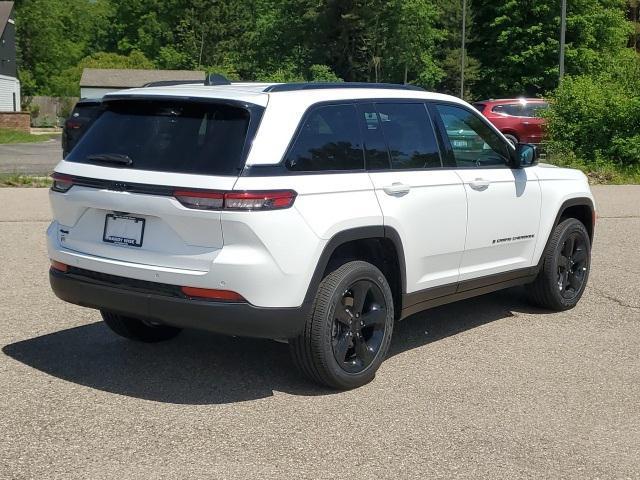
<point x="323" y="73"/>
<point x="596" y="118"/>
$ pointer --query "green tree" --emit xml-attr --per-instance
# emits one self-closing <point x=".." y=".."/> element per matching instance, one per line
<point x="53" y="35"/>
<point x="596" y="118"/>
<point x="633" y="15"/>
<point x="517" y="42"/>
<point x="449" y="51"/>
<point x="67" y="83"/>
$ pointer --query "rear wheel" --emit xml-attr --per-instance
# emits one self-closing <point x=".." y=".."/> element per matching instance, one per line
<point x="348" y="332"/>
<point x="139" y="330"/>
<point x="565" y="269"/>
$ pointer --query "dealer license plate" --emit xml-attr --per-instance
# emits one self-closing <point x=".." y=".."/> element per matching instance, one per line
<point x="123" y="230"/>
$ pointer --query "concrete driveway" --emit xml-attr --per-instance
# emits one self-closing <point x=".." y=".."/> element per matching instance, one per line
<point x="30" y="158"/>
<point x="486" y="388"/>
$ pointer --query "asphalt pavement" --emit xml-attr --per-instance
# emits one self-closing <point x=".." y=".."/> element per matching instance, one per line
<point x="30" y="158"/>
<point x="485" y="388"/>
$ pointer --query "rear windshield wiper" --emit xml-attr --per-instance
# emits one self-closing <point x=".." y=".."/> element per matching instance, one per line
<point x="116" y="158"/>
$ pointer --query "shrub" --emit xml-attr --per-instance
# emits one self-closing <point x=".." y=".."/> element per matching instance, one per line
<point x="596" y="118"/>
<point x="323" y="73"/>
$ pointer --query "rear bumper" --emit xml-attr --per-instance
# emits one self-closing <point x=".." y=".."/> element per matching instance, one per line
<point x="241" y="319"/>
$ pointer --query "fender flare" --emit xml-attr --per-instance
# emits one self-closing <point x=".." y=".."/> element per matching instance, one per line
<point x="571" y="202"/>
<point x="345" y="236"/>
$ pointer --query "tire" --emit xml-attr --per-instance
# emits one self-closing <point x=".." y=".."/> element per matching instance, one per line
<point x="512" y="139"/>
<point x="352" y="319"/>
<point x="565" y="268"/>
<point x="138" y="330"/>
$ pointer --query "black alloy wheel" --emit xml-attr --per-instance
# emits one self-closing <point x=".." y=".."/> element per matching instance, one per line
<point x="565" y="266"/>
<point x="573" y="264"/>
<point x="348" y="331"/>
<point x="359" y="326"/>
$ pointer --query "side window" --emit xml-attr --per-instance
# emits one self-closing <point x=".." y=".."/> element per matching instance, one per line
<point x="328" y="140"/>
<point x="472" y="141"/>
<point x="409" y="134"/>
<point x="375" y="148"/>
<point x="511" y="109"/>
<point x="536" y="109"/>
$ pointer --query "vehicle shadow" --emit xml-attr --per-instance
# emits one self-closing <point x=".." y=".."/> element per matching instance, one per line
<point x="204" y="368"/>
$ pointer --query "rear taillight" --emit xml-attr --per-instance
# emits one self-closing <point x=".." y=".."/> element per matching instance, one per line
<point x="200" y="200"/>
<point x="211" y="294"/>
<point x="61" y="183"/>
<point x="247" y="201"/>
<point x="73" y="125"/>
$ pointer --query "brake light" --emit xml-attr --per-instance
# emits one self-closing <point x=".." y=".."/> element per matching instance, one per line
<point x="247" y="201"/>
<point x="211" y="294"/>
<point x="259" y="200"/>
<point x="73" y="125"/>
<point x="61" y="183"/>
<point x="59" y="266"/>
<point x="200" y="200"/>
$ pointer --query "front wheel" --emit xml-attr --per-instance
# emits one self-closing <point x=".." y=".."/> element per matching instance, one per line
<point x="348" y="332"/>
<point x="565" y="268"/>
<point x="513" y="140"/>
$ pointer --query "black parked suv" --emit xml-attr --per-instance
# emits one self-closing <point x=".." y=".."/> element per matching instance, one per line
<point x="82" y="116"/>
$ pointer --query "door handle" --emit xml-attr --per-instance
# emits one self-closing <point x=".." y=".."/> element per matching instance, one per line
<point x="479" y="184"/>
<point x="397" y="189"/>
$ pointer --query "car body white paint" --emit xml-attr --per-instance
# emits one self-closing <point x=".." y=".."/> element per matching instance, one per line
<point x="446" y="226"/>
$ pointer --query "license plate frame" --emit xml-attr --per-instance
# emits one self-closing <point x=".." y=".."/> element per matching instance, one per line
<point x="134" y="225"/>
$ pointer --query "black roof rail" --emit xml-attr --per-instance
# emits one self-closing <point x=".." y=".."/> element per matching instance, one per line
<point x="170" y="83"/>
<point x="216" y="79"/>
<point x="292" y="87"/>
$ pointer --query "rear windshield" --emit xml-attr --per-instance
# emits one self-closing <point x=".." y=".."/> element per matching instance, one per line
<point x="86" y="111"/>
<point x="167" y="136"/>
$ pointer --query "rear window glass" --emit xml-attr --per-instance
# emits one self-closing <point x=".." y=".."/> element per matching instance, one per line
<point x="167" y="136"/>
<point x="86" y="111"/>
<point x="329" y="139"/>
<point x="536" y="109"/>
<point x="409" y="133"/>
<point x="525" y="109"/>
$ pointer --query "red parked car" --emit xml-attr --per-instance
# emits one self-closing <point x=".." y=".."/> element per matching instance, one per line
<point x="517" y="118"/>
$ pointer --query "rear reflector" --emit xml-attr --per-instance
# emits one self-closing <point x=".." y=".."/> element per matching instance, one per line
<point x="61" y="183"/>
<point x="210" y="294"/>
<point x="59" y="266"/>
<point x="202" y="200"/>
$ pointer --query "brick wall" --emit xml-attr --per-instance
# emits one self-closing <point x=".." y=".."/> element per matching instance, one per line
<point x="15" y="121"/>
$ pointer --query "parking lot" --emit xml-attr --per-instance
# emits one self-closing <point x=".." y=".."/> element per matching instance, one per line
<point x="486" y="388"/>
<point x="30" y="158"/>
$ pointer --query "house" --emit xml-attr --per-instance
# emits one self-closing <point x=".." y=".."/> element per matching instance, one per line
<point x="9" y="83"/>
<point x="97" y="82"/>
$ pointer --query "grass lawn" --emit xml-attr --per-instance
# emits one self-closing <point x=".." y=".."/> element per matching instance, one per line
<point x="15" y="136"/>
<point x="19" y="180"/>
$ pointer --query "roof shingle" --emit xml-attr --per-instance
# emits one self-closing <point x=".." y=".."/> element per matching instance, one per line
<point x="5" y="13"/>
<point x="115" y="78"/>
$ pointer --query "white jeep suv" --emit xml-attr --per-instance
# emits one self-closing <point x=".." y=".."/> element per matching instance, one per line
<point x="319" y="214"/>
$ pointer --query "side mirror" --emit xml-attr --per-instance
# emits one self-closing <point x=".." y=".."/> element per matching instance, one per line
<point x="526" y="155"/>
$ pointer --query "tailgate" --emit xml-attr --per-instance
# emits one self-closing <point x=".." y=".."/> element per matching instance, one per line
<point x="154" y="229"/>
<point x="119" y="200"/>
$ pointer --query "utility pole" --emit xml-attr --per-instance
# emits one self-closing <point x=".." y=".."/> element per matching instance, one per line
<point x="464" y="46"/>
<point x="563" y="32"/>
